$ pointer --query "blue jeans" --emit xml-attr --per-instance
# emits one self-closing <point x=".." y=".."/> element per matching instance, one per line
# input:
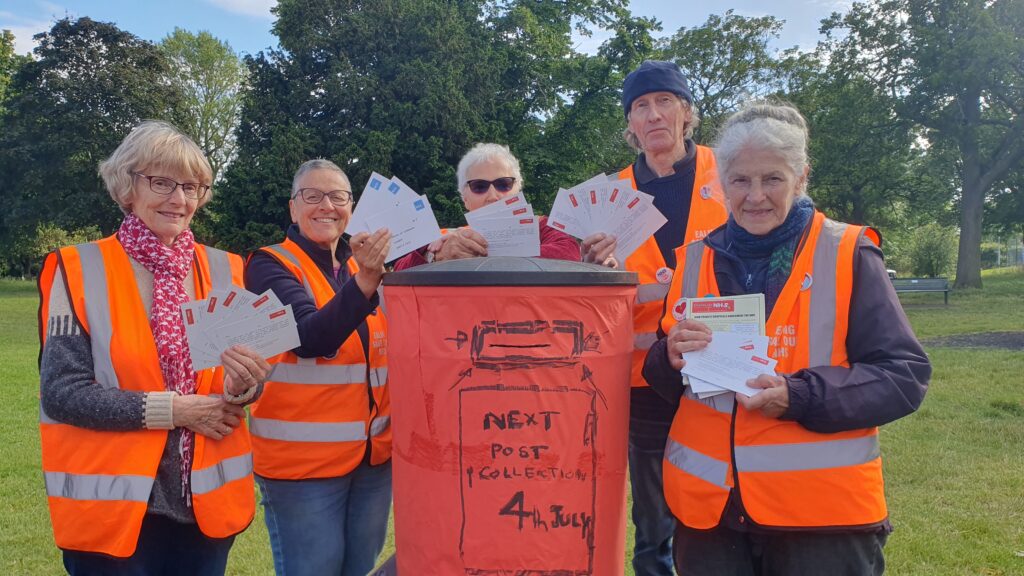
<point x="165" y="548"/>
<point x="650" y="418"/>
<point x="327" y="526"/>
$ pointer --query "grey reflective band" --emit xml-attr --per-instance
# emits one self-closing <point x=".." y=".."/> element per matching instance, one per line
<point x="694" y="463"/>
<point x="307" y="431"/>
<point x="333" y="374"/>
<point x="691" y="270"/>
<point x="644" y="340"/>
<point x="823" y="295"/>
<point x="378" y="376"/>
<point x="220" y="268"/>
<point x="97" y="310"/>
<point x="651" y="293"/>
<point x="280" y="249"/>
<point x="380" y="425"/>
<point x="807" y="455"/>
<point x="228" y="470"/>
<point x="98" y="486"/>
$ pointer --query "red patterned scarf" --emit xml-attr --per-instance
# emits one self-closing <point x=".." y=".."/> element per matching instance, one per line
<point x="169" y="265"/>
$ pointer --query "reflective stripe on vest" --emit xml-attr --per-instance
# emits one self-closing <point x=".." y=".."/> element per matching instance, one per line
<point x="651" y="292"/>
<point x="380" y="425"/>
<point x="692" y="462"/>
<point x="644" y="341"/>
<point x="807" y="455"/>
<point x="98" y="486"/>
<point x="823" y="297"/>
<point x="307" y="431"/>
<point x="97" y="308"/>
<point x="328" y="374"/>
<point x="228" y="470"/>
<point x="220" y="268"/>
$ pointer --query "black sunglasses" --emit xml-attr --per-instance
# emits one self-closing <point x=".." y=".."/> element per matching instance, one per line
<point x="500" y="184"/>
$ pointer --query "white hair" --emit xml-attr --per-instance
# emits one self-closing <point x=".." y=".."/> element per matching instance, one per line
<point x="482" y="153"/>
<point x="765" y="125"/>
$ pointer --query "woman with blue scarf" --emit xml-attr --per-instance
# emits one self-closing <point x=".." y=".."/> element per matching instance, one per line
<point x="788" y="480"/>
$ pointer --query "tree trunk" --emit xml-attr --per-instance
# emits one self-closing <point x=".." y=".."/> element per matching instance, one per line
<point x="972" y="201"/>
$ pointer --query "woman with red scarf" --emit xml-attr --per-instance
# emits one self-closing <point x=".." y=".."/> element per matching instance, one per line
<point x="146" y="461"/>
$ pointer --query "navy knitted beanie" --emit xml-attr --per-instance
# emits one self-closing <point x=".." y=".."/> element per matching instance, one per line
<point x="654" y="76"/>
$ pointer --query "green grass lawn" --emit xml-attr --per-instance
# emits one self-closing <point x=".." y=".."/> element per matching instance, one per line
<point x="954" y="470"/>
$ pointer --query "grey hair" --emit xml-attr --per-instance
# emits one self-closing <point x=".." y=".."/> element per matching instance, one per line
<point x="153" y="146"/>
<point x="482" y="153"/>
<point x="776" y="126"/>
<point x="634" y="142"/>
<point x="317" y="164"/>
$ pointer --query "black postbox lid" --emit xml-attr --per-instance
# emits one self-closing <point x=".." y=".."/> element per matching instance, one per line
<point x="510" y="271"/>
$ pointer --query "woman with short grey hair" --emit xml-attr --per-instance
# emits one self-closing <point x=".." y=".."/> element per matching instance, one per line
<point x="788" y="479"/>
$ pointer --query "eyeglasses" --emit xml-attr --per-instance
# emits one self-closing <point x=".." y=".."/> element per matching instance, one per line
<point x="166" y="186"/>
<point x="500" y="184"/>
<point x="315" y="196"/>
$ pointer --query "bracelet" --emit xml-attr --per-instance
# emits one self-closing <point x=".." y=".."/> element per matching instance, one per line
<point x="240" y="398"/>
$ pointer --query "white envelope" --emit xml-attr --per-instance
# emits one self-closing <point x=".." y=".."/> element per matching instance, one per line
<point x="268" y="334"/>
<point x="511" y="236"/>
<point x="569" y="215"/>
<point x="375" y="198"/>
<point x="729" y="360"/>
<point x="639" y="221"/>
<point x="412" y="225"/>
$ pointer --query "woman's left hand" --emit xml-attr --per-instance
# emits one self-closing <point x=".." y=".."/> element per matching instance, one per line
<point x="369" y="252"/>
<point x="243" y="369"/>
<point x="772" y="402"/>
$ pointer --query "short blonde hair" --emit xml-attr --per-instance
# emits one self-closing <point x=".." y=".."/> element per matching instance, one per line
<point x="153" y="145"/>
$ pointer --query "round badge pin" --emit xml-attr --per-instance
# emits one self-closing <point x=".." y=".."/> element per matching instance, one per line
<point x="705" y="192"/>
<point x="664" y="275"/>
<point x="679" y="310"/>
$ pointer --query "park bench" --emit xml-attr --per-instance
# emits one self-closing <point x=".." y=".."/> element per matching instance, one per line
<point x="923" y="285"/>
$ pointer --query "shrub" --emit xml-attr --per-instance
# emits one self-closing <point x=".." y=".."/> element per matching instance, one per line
<point x="932" y="250"/>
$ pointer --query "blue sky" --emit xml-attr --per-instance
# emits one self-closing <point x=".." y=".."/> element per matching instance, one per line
<point x="245" y="24"/>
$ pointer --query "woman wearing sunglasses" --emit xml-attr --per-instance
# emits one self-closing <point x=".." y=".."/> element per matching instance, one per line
<point x="487" y="173"/>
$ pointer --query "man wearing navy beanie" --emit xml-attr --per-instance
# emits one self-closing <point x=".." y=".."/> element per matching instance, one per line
<point x="682" y="178"/>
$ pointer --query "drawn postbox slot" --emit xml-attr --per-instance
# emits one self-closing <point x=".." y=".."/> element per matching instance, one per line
<point x="528" y="344"/>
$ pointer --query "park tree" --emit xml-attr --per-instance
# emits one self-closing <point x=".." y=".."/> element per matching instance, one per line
<point x="209" y="76"/>
<point x="727" y="60"/>
<point x="862" y="154"/>
<point x="87" y="86"/>
<point x="954" y="68"/>
<point x="404" y="88"/>
<point x="10" y="61"/>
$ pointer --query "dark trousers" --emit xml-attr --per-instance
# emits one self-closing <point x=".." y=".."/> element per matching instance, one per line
<point x="727" y="552"/>
<point x="165" y="548"/>
<point x="650" y="418"/>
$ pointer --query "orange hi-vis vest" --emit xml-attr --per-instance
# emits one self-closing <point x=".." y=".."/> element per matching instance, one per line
<point x="707" y="212"/>
<point x="785" y="475"/>
<point x="317" y="417"/>
<point x="98" y="483"/>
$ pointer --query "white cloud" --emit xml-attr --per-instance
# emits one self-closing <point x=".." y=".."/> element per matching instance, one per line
<point x="25" y="27"/>
<point x="257" y="8"/>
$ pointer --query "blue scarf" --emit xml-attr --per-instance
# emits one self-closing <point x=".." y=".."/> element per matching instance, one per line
<point x="777" y="246"/>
